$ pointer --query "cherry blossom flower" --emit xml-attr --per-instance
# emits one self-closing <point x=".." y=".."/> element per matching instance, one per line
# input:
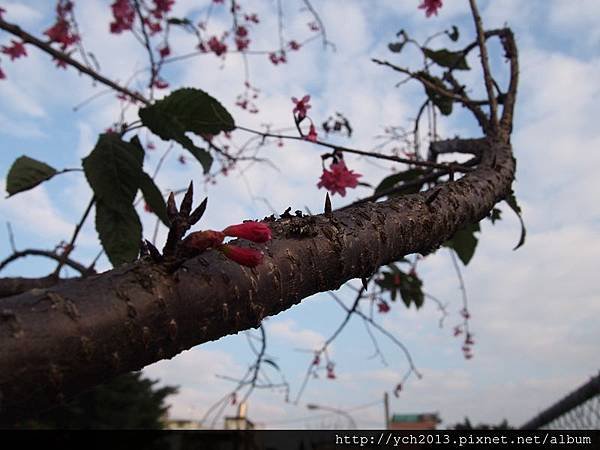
<point x="161" y="7"/>
<point x="383" y="307"/>
<point x="61" y="33"/>
<point x="124" y="15"/>
<point x="293" y="45"/>
<point x="253" y="231"/>
<point x="164" y="51"/>
<point x="160" y="84"/>
<point x="312" y="134"/>
<point x="245" y="256"/>
<point x="216" y="46"/>
<point x="301" y="106"/>
<point x="15" y="51"/>
<point x="338" y="178"/>
<point x="431" y="7"/>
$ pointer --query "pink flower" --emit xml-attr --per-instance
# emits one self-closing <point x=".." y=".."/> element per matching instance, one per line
<point x="431" y="7"/>
<point x="60" y="32"/>
<point x="294" y="45"/>
<point x="312" y="134"/>
<point x="338" y="179"/>
<point x="216" y="46"/>
<point x="159" y="83"/>
<point x="162" y="7"/>
<point x="164" y="51"/>
<point x="15" y="51"/>
<point x="253" y="231"/>
<point x="245" y="256"/>
<point x="124" y="15"/>
<point x="383" y="307"/>
<point x="301" y="106"/>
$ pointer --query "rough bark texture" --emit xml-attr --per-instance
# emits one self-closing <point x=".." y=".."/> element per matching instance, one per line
<point x="58" y="341"/>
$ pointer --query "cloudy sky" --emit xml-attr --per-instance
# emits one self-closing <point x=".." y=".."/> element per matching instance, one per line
<point x="534" y="311"/>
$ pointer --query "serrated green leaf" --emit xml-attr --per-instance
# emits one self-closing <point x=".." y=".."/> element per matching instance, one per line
<point x="187" y="110"/>
<point x="154" y="198"/>
<point x="446" y="58"/>
<point x="113" y="170"/>
<point x="443" y="103"/>
<point x="512" y="202"/>
<point x="120" y="232"/>
<point x="26" y="173"/>
<point x="464" y="243"/>
<point x="392" y="180"/>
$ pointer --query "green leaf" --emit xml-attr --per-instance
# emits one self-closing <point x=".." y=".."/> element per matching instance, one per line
<point x="464" y="242"/>
<point x="396" y="47"/>
<point x="120" y="232"/>
<point x="512" y="202"/>
<point x="113" y="170"/>
<point x="154" y="198"/>
<point x="26" y="173"/>
<point x="443" y="103"/>
<point x="454" y="34"/>
<point x="446" y="58"/>
<point x="392" y="180"/>
<point x="411" y="290"/>
<point x="187" y="110"/>
<point x="408" y="285"/>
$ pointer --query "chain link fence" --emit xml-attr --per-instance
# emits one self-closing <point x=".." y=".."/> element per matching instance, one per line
<point x="580" y="410"/>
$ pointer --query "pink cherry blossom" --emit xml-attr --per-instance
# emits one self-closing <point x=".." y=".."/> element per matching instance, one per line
<point x="338" y="179"/>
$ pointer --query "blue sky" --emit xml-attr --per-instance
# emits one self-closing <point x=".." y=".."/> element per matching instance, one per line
<point x="534" y="310"/>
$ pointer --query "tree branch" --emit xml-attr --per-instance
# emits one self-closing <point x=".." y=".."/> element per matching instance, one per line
<point x="60" y="341"/>
<point x="47" y="48"/>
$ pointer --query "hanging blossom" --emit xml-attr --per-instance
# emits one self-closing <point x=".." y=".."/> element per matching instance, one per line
<point x="431" y="7"/>
<point x="61" y="31"/>
<point x="124" y="15"/>
<point x="15" y="51"/>
<point x="257" y="232"/>
<point x="301" y="107"/>
<point x="338" y="178"/>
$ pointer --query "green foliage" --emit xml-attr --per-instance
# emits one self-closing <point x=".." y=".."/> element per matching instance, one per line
<point x="446" y="58"/>
<point x="464" y="242"/>
<point x="26" y="173"/>
<point x="127" y="402"/>
<point x="401" y="177"/>
<point x="154" y="198"/>
<point x="120" y="232"/>
<point x="443" y="103"/>
<point x="512" y="202"/>
<point x="114" y="171"/>
<point x="408" y="285"/>
<point x="187" y="110"/>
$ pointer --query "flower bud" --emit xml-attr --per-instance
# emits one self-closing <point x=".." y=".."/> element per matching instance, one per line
<point x="253" y="231"/>
<point x="245" y="256"/>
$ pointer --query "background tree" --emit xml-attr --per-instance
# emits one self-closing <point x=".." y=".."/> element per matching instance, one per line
<point x="126" y="402"/>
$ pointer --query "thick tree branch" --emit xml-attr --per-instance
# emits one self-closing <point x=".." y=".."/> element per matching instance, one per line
<point x="59" y="341"/>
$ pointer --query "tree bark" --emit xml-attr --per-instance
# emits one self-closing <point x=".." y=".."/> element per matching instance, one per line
<point x="56" y="342"/>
